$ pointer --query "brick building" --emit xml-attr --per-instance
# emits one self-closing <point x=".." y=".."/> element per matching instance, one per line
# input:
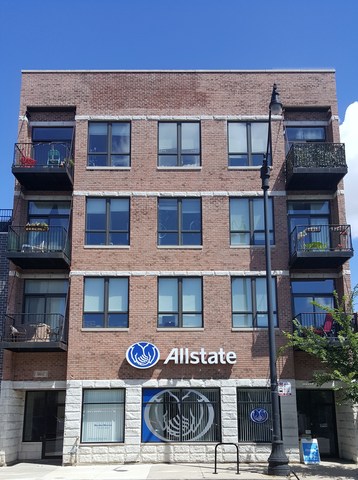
<point x="137" y="327"/>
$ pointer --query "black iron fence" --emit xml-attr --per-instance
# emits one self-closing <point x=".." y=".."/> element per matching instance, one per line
<point x="54" y="154"/>
<point x="321" y="238"/>
<point x="5" y="219"/>
<point x="34" y="327"/>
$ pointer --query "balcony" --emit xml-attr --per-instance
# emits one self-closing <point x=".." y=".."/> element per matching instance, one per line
<point x="39" y="246"/>
<point x="34" y="332"/>
<point x="320" y="246"/>
<point x="315" y="166"/>
<point x="43" y="166"/>
<point x="5" y="219"/>
<point x="320" y="320"/>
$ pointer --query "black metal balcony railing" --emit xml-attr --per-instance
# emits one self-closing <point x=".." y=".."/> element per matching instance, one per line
<point x="44" y="165"/>
<point x="317" y="320"/>
<point x="40" y="243"/>
<point x="326" y="245"/>
<point x="33" y="331"/>
<point x="5" y="219"/>
<point x="315" y="165"/>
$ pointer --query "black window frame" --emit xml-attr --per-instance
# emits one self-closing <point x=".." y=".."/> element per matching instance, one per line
<point x="180" y="231"/>
<point x="252" y="232"/>
<point x="107" y="230"/>
<point x="180" y="312"/>
<point x="179" y="154"/>
<point x="254" y="311"/>
<point x="108" y="153"/>
<point x="249" y="153"/>
<point x="108" y="403"/>
<point x="106" y="312"/>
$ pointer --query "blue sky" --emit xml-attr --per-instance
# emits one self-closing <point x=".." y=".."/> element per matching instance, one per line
<point x="185" y="34"/>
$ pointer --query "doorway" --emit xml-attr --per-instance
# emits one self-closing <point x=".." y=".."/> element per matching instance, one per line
<point x="44" y="421"/>
<point x="317" y="419"/>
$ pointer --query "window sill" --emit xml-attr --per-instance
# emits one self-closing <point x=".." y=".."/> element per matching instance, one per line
<point x="107" y="247"/>
<point x="180" y="329"/>
<point x="101" y="329"/>
<point x="250" y="246"/>
<point x="93" y="167"/>
<point x="181" y="247"/>
<point x="180" y="168"/>
<point x="246" y="167"/>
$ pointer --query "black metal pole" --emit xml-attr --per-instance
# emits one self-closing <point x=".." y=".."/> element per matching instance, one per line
<point x="277" y="461"/>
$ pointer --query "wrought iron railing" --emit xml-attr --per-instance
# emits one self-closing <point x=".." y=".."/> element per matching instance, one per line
<point x="5" y="219"/>
<point x="317" y="320"/>
<point x="38" y="238"/>
<point x="315" y="155"/>
<point x="54" y="154"/>
<point x="34" y="327"/>
<point x="321" y="238"/>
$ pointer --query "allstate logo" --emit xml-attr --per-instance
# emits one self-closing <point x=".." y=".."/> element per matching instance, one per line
<point x="259" y="415"/>
<point x="142" y="355"/>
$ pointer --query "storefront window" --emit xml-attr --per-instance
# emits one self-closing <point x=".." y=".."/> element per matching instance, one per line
<point x="254" y="415"/>
<point x="181" y="415"/>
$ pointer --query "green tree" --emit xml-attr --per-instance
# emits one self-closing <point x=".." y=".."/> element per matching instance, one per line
<point x="338" y="353"/>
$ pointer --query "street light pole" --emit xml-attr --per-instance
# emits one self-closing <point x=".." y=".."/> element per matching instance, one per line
<point x="277" y="461"/>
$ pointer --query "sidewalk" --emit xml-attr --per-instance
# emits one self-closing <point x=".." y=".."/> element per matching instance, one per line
<point x="39" y="471"/>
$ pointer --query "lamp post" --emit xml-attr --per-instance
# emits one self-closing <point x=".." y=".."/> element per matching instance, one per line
<point x="277" y="461"/>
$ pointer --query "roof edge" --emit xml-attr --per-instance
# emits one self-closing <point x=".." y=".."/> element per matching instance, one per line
<point x="308" y="70"/>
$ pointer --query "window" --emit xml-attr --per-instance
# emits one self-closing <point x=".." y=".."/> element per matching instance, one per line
<point x="312" y="214"/>
<point x="181" y="415"/>
<point x="249" y="302"/>
<point x="180" y="302"/>
<point x="45" y="303"/>
<point x="179" y="221"/>
<point x="304" y="292"/>
<point x="179" y="144"/>
<point x="254" y="415"/>
<point x="107" y="221"/>
<point x="109" y="144"/>
<point x="105" y="303"/>
<point x="305" y="134"/>
<point x="247" y="225"/>
<point x="247" y="143"/>
<point x="103" y="416"/>
<point x="52" y="145"/>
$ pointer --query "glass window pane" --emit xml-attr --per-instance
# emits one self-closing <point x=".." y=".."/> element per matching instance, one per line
<point x="238" y="160"/>
<point x="103" y="396"/>
<point x="120" y="137"/>
<point x="191" y="214"/>
<point x="52" y="134"/>
<point x="306" y="134"/>
<point x="119" y="214"/>
<point x="167" y="214"/>
<point x="118" y="320"/>
<point x="94" y="292"/>
<point x="191" y="239"/>
<point x="242" y="320"/>
<point x="168" y="138"/>
<point x="97" y="160"/>
<point x="261" y="294"/>
<point x="165" y="238"/>
<point x="46" y="286"/>
<point x="240" y="239"/>
<point x="190" y="160"/>
<point x="96" y="238"/>
<point x="167" y="321"/>
<point x="239" y="214"/>
<point x="259" y="134"/>
<point x="306" y="208"/>
<point x="190" y="138"/>
<point x="96" y="214"/>
<point x="237" y="138"/>
<point x="191" y="289"/>
<point x="313" y="286"/>
<point x="97" y="137"/>
<point x="120" y="161"/>
<point x="118" y="295"/>
<point x="168" y="295"/>
<point x="241" y="295"/>
<point x="192" y="320"/>
<point x="103" y="423"/>
<point x="93" y="320"/>
<point x="168" y="160"/>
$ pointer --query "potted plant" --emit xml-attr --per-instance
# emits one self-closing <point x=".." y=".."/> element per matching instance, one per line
<point x="314" y="246"/>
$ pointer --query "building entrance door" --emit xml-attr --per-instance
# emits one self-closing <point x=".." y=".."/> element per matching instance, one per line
<point x="317" y="418"/>
<point x="44" y="421"/>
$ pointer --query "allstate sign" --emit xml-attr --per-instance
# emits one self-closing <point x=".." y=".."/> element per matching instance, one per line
<point x="142" y="355"/>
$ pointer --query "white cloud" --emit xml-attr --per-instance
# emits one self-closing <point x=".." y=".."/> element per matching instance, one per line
<point x="349" y="136"/>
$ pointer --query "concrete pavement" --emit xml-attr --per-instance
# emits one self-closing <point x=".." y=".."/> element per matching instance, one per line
<point x="338" y="470"/>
